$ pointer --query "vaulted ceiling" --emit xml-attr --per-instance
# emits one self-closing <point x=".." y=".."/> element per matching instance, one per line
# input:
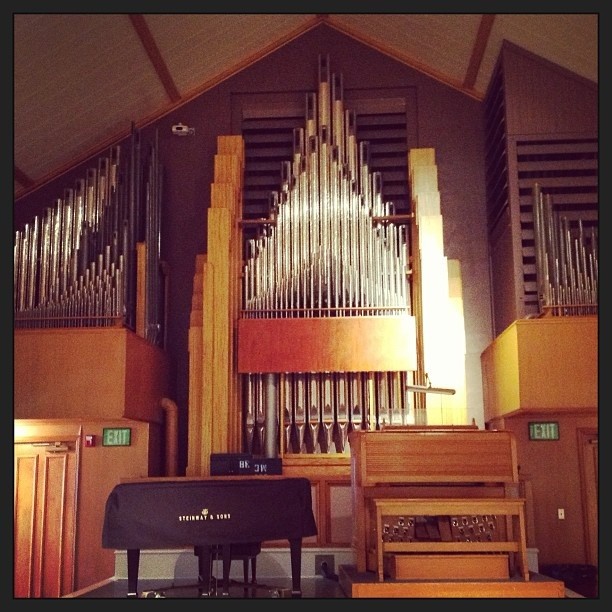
<point x="80" y="80"/>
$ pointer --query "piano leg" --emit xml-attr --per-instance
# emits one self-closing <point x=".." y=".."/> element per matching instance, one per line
<point x="204" y="567"/>
<point x="204" y="554"/>
<point x="295" y="545"/>
<point x="227" y="564"/>
<point x="133" y="561"/>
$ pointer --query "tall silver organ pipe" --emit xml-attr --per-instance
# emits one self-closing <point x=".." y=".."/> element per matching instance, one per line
<point x="335" y="248"/>
<point x="75" y="265"/>
<point x="566" y="257"/>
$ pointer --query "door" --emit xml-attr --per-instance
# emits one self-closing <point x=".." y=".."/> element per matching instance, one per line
<point x="44" y="504"/>
<point x="589" y="464"/>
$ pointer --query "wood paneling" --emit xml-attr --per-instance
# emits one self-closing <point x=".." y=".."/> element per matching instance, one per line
<point x="332" y="344"/>
<point x="58" y="542"/>
<point x="552" y="467"/>
<point x="214" y="411"/>
<point x="104" y="372"/>
<point x="535" y="364"/>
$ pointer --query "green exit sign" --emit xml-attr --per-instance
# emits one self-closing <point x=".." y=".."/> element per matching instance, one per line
<point x="548" y="430"/>
<point x="116" y="436"/>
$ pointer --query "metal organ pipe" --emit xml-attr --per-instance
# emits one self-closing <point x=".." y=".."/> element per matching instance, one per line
<point x="70" y="263"/>
<point x="566" y="260"/>
<point x="271" y="422"/>
<point x="334" y="250"/>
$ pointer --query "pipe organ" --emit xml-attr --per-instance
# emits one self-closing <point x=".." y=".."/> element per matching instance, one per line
<point x="332" y="248"/>
<point x="93" y="258"/>
<point x="327" y="339"/>
<point x="567" y="267"/>
<point x="324" y="321"/>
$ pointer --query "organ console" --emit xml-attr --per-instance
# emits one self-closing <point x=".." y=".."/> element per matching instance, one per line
<point x="437" y="514"/>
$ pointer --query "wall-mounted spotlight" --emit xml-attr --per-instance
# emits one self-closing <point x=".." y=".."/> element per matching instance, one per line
<point x="180" y="129"/>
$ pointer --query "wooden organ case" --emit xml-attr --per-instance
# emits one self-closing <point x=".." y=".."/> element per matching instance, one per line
<point x="312" y="322"/>
<point x="318" y="334"/>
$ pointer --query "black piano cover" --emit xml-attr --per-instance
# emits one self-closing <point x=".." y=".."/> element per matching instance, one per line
<point x="175" y="514"/>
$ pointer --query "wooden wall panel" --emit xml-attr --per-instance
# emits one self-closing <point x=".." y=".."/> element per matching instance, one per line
<point x="552" y="467"/>
<point x="104" y="372"/>
<point x="332" y="344"/>
<point x="59" y="541"/>
<point x="24" y="514"/>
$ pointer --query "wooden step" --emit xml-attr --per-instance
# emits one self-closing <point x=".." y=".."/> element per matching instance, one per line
<point x="366" y="584"/>
<point x="447" y="567"/>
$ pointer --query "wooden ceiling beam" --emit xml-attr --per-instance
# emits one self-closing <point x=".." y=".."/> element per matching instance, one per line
<point x="148" y="42"/>
<point x="480" y="44"/>
<point x="22" y="178"/>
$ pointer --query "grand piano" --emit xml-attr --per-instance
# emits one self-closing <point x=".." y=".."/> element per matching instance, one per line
<point x="209" y="515"/>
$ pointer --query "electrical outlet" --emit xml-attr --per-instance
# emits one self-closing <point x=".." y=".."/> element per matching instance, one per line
<point x="328" y="560"/>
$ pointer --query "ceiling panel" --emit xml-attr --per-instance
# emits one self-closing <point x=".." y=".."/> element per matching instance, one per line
<point x="437" y="44"/>
<point x="198" y="49"/>
<point x="81" y="79"/>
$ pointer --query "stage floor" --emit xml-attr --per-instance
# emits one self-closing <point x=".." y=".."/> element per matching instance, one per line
<point x="349" y="584"/>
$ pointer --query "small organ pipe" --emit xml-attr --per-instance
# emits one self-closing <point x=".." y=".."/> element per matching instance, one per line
<point x="64" y="259"/>
<point x="566" y="260"/>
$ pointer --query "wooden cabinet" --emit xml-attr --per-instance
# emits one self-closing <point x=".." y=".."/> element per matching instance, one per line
<point x="546" y="365"/>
